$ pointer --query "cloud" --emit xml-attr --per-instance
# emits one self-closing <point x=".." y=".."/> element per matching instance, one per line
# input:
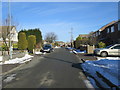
<point x="47" y="11"/>
<point x="62" y="0"/>
<point x="57" y="8"/>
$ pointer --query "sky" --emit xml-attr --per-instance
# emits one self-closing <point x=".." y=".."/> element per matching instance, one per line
<point x="60" y="17"/>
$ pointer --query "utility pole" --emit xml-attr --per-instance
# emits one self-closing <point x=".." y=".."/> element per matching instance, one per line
<point x="10" y="27"/>
<point x="71" y="37"/>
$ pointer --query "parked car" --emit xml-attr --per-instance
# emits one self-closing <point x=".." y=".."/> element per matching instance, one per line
<point x="47" y="48"/>
<point x="113" y="50"/>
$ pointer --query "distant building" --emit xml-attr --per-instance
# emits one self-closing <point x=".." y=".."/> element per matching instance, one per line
<point x="60" y="43"/>
<point x="45" y="42"/>
<point x="4" y="30"/>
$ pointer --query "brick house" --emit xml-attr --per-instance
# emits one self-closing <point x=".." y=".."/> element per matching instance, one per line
<point x="109" y="34"/>
<point x="84" y="35"/>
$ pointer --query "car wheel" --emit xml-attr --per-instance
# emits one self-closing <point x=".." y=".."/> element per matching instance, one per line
<point x="103" y="54"/>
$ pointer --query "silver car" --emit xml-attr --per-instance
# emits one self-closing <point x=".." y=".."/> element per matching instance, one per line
<point x="113" y="50"/>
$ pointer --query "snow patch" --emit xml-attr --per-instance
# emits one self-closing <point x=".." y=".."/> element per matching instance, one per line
<point x="1" y="58"/>
<point x="57" y="47"/>
<point x="110" y="58"/>
<point x="44" y="53"/>
<point x="78" y="51"/>
<point x="108" y="68"/>
<point x="38" y="53"/>
<point x="71" y="51"/>
<point x="70" y="48"/>
<point x="9" y="78"/>
<point x="24" y="59"/>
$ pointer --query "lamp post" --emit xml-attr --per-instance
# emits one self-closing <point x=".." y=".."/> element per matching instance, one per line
<point x="71" y="37"/>
<point x="10" y="27"/>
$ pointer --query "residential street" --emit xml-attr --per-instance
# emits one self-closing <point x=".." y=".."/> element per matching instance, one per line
<point x="52" y="70"/>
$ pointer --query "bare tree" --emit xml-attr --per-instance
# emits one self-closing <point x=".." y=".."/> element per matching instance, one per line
<point x="6" y="29"/>
<point x="51" y="37"/>
<point x="7" y="33"/>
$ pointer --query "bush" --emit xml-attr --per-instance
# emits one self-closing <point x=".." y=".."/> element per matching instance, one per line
<point x="35" y="32"/>
<point x="101" y="45"/>
<point x="4" y="47"/>
<point x="31" y="43"/>
<point x="15" y="45"/>
<point x="22" y="42"/>
<point x="56" y="44"/>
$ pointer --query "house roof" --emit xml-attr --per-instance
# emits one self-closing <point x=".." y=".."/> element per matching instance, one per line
<point x="5" y="29"/>
<point x="59" y="41"/>
<point x="102" y="28"/>
<point x="84" y="35"/>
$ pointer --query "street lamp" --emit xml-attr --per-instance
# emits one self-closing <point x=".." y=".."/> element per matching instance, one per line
<point x="10" y="27"/>
<point x="10" y="39"/>
<point x="71" y="37"/>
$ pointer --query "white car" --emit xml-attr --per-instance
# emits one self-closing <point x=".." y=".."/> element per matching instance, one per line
<point x="113" y="50"/>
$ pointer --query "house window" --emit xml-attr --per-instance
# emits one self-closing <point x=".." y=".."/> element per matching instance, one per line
<point x="108" y="30"/>
<point x="96" y="33"/>
<point x="119" y="26"/>
<point x="112" y="29"/>
<point x="99" y="33"/>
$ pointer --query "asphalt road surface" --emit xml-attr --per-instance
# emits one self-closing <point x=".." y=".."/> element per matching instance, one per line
<point x="52" y="70"/>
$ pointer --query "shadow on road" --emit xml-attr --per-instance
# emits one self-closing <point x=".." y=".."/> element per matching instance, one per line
<point x="58" y="59"/>
<point x="75" y="65"/>
<point x="89" y="55"/>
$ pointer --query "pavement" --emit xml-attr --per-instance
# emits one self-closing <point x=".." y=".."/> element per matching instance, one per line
<point x="8" y="67"/>
<point x="86" y="57"/>
<point x="52" y="70"/>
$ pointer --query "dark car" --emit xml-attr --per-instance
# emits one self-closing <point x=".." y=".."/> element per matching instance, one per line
<point x="47" y="48"/>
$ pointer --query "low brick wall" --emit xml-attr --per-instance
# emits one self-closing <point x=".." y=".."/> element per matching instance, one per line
<point x="16" y="54"/>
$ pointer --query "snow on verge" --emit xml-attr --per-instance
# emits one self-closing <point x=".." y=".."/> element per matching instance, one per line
<point x="78" y="51"/>
<point x="108" y="68"/>
<point x="24" y="59"/>
<point x="57" y="47"/>
<point x="38" y="53"/>
<point x="1" y="58"/>
<point x="110" y="58"/>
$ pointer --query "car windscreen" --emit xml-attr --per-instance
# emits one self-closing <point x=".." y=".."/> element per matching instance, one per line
<point x="47" y="46"/>
<point x="109" y="46"/>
